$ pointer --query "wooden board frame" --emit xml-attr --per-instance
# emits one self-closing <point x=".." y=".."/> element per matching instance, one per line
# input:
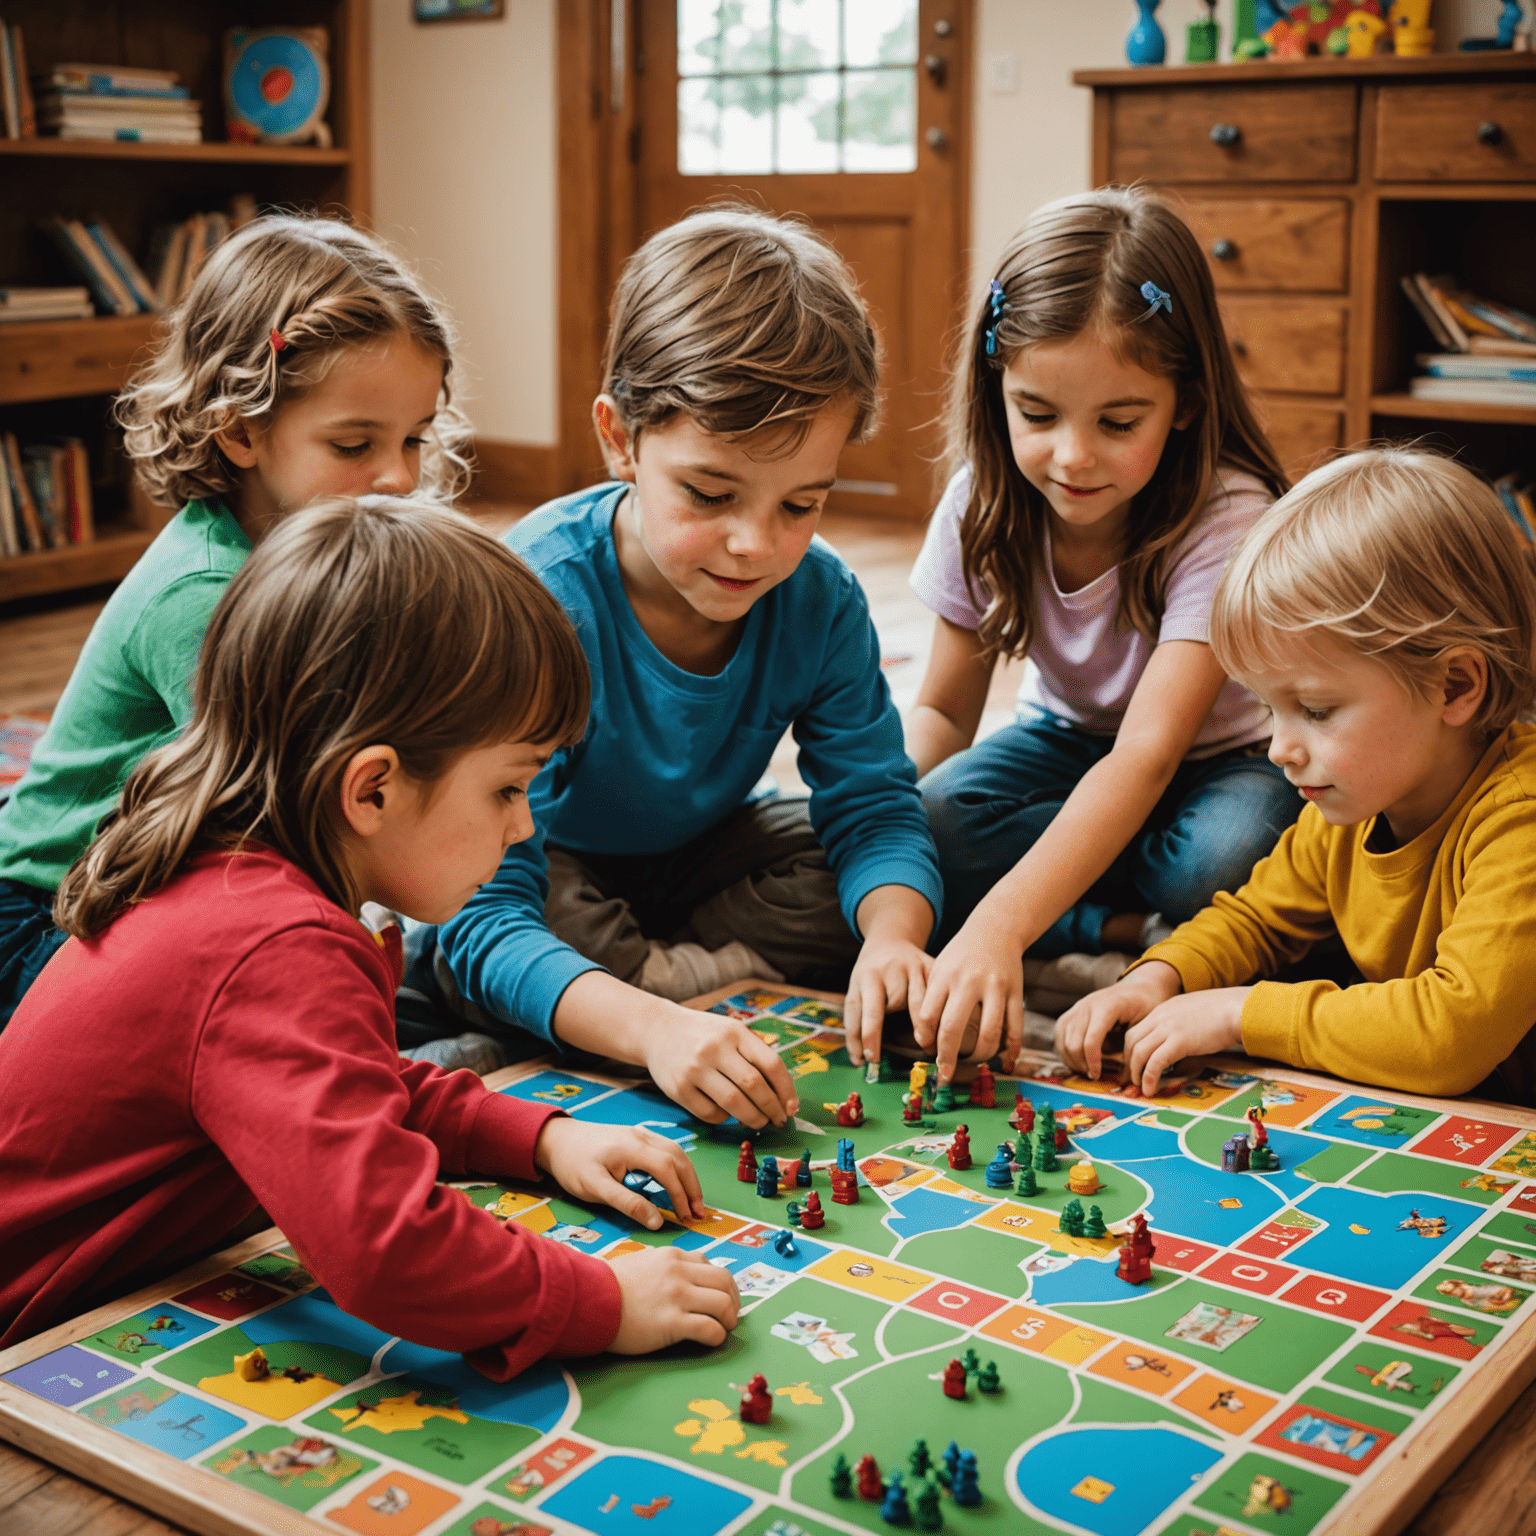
<point x="1400" y="1482"/>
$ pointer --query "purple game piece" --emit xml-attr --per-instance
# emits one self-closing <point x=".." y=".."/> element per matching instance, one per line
<point x="67" y="1376"/>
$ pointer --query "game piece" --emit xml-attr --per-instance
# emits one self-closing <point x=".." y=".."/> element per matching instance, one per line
<point x="929" y="1516"/>
<point x="1023" y="1151"/>
<point x="1136" y="1253"/>
<point x="894" y="1510"/>
<point x="1393" y="1376"/>
<point x="851" y="1111"/>
<point x="1234" y="1154"/>
<point x="959" y="1153"/>
<point x="951" y="1459"/>
<point x="1094" y="1226"/>
<point x="1083" y="1179"/>
<point x="1028" y="1184"/>
<point x="756" y="1404"/>
<point x="954" y="1379"/>
<point x="636" y="1180"/>
<point x="784" y="1244"/>
<point x="1254" y="1115"/>
<point x="988" y="1379"/>
<point x="943" y="1099"/>
<point x="845" y="1187"/>
<point x="1263" y="1160"/>
<point x="868" y="1474"/>
<point x="842" y="1478"/>
<point x="254" y="1366"/>
<point x="912" y="1108"/>
<point x="845" y="1154"/>
<point x="746" y="1164"/>
<point x="1425" y="1226"/>
<point x="874" y="1071"/>
<point x="793" y="1212"/>
<point x="999" y="1173"/>
<point x="1023" y="1116"/>
<point x="768" y="1176"/>
<point x="984" y="1088"/>
<point x="1072" y="1218"/>
<point x="966" y="1490"/>
<point x="803" y="1170"/>
<point x="1045" y="1143"/>
<point x="918" y="1459"/>
<point x="811" y="1215"/>
<point x="930" y="1088"/>
<point x="971" y="1361"/>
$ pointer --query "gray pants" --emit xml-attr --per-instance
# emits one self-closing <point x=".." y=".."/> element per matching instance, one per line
<point x="759" y="877"/>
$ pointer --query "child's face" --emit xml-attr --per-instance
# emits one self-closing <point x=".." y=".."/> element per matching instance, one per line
<point x="358" y="432"/>
<point x="720" y="526"/>
<point x="425" y="850"/>
<point x="1087" y="427"/>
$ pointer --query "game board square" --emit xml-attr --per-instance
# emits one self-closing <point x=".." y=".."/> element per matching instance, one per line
<point x="1373" y="1122"/>
<point x="565" y="1090"/>
<point x="965" y="1305"/>
<point x="396" y="1505"/>
<point x="493" y="1520"/>
<point x="1336" y="1298"/>
<point x="1134" y="1365"/>
<point x="174" y="1422"/>
<point x="67" y="1376"/>
<point x="871" y="1275"/>
<point x="1248" y="1274"/>
<point x="1347" y="1445"/>
<point x="295" y="1469"/>
<point x="623" y="1485"/>
<point x="154" y="1331"/>
<point x="1232" y="1407"/>
<point x="1043" y="1333"/>
<point x="544" y="1468"/>
<point x="1270" y="1495"/>
<point x="1182" y="1253"/>
<point x="230" y="1297"/>
<point x="1460" y="1139"/>
<point x="1460" y="1335"/>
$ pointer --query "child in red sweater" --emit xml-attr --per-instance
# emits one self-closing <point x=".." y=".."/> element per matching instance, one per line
<point x="216" y="1041"/>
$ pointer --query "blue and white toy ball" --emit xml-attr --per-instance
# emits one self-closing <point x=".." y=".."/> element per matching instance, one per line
<point x="277" y="85"/>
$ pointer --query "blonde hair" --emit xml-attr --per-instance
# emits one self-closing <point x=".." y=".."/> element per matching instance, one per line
<point x="1398" y="554"/>
<point x="381" y="620"/>
<point x="743" y="322"/>
<point x="1078" y="266"/>
<point x="321" y="286"/>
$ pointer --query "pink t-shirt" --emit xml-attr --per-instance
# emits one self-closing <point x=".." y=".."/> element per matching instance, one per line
<point x="1080" y="667"/>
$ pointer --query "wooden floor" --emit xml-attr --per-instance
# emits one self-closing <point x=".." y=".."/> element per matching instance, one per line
<point x="1492" y="1494"/>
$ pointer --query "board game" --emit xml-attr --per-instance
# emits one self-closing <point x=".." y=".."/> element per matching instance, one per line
<point x="1337" y="1301"/>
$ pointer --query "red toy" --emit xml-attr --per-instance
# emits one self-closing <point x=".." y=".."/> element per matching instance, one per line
<point x="811" y="1214"/>
<point x="870" y="1485"/>
<point x="954" y="1379"/>
<point x="912" y="1107"/>
<point x="845" y="1187"/>
<point x="960" y="1148"/>
<point x="1136" y="1253"/>
<point x="1023" y="1116"/>
<point x="851" y="1111"/>
<point x="1255" y="1117"/>
<point x="756" y="1404"/>
<point x="984" y="1088"/>
<point x="746" y="1164"/>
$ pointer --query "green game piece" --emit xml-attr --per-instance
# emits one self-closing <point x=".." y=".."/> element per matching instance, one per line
<point x="1045" y="1124"/>
<point x="1094" y="1226"/>
<point x="987" y="1379"/>
<point x="1028" y="1184"/>
<point x="1045" y="1141"/>
<point x="943" y="1099"/>
<point x="842" y="1478"/>
<point x="929" y="1516"/>
<point x="1072" y="1219"/>
<point x="971" y="1361"/>
<point x="1022" y="1152"/>
<point x="919" y="1461"/>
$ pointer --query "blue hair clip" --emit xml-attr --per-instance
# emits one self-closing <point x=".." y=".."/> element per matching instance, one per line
<point x="999" y="309"/>
<point x="1156" y="298"/>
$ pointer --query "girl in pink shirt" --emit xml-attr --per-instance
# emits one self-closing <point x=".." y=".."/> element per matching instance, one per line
<point x="1107" y="462"/>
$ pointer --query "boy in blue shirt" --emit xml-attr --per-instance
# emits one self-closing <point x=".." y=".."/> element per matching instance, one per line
<point x="740" y="361"/>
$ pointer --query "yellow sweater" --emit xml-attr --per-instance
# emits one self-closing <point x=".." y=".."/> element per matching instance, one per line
<point x="1442" y="929"/>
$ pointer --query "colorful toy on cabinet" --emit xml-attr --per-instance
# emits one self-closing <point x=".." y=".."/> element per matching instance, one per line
<point x="1510" y="16"/>
<point x="1412" y="35"/>
<point x="1335" y="27"/>
<point x="1202" y="38"/>
<point x="1146" y="44"/>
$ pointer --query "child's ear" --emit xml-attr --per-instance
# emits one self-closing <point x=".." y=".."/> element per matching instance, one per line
<point x="618" y="445"/>
<point x="370" y="784"/>
<point x="236" y="443"/>
<point x="1466" y="684"/>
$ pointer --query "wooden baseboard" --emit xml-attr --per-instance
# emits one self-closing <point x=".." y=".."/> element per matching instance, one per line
<point x="525" y="472"/>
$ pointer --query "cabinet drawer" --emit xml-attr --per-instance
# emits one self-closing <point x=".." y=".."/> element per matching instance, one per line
<point x="1484" y="132"/>
<point x="1276" y="133"/>
<point x="52" y="358"/>
<point x="1287" y="243"/>
<point x="1291" y="345"/>
<point x="1300" y="434"/>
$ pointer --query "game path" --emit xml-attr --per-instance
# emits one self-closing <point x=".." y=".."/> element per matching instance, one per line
<point x="1315" y="1349"/>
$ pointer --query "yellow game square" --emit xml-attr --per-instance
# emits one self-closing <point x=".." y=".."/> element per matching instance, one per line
<point x="1044" y="1334"/>
<point x="949" y="1187"/>
<point x="1094" y="1489"/>
<point x="714" y="1224"/>
<point x="875" y="1277"/>
<point x="1019" y="1221"/>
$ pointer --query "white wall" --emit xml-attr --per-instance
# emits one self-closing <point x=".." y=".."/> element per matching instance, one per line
<point x="464" y="182"/>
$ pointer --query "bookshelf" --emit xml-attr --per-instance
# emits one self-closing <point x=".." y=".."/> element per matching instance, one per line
<point x="59" y="377"/>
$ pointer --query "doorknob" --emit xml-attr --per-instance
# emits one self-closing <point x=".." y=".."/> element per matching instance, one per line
<point x="937" y="68"/>
<point x="936" y="138"/>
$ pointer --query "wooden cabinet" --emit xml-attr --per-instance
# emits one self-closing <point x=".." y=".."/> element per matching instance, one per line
<point x="1314" y="187"/>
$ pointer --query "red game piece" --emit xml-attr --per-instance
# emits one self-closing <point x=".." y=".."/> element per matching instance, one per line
<point x="984" y="1088"/>
<point x="954" y="1379"/>
<point x="851" y="1111"/>
<point x="756" y="1404"/>
<point x="1136" y="1253"/>
<point x="960" y="1148"/>
<point x="871" y="1486"/>
<point x="1023" y="1116"/>
<point x="811" y="1214"/>
<point x="845" y="1186"/>
<point x="1255" y="1118"/>
<point x="912" y="1107"/>
<point x="746" y="1164"/>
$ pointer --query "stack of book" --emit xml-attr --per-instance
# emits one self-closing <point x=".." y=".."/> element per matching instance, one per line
<point x="45" y="495"/>
<point x="1490" y="347"/>
<point x="110" y="101"/>
<point x="17" y="119"/>
<point x="45" y="304"/>
<point x="116" y="280"/>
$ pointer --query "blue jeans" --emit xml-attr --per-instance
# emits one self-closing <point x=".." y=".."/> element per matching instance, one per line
<point x="27" y="941"/>
<point x="986" y="806"/>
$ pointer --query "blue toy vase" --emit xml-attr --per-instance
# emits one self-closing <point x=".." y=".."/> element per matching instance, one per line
<point x="1146" y="44"/>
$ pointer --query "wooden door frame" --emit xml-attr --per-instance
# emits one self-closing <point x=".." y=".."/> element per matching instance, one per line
<point x="597" y="164"/>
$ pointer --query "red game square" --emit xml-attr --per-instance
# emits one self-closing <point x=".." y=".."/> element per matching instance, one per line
<point x="1444" y="1335"/>
<point x="1274" y="1239"/>
<point x="1304" y="1441"/>
<point x="1458" y="1139"/>
<point x="1525" y="1200"/>
<point x="1181" y="1253"/>
<point x="962" y="1304"/>
<point x="1248" y="1274"/>
<point x="230" y="1297"/>
<point x="1338" y="1298"/>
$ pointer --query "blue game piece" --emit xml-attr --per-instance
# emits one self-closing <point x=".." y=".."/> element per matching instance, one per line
<point x="845" y="1154"/>
<point x="636" y="1179"/>
<point x="894" y="1510"/>
<point x="768" y="1176"/>
<point x="784" y="1244"/>
<point x="803" y="1170"/>
<point x="966" y="1490"/>
<point x="999" y="1173"/>
<point x="951" y="1460"/>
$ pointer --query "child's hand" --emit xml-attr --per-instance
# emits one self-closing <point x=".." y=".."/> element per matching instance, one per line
<point x="590" y="1161"/>
<point x="889" y="973"/>
<point x="667" y="1296"/>
<point x="981" y="967"/>
<point x="715" y="1067"/>
<point x="1195" y="1024"/>
<point x="1081" y="1030"/>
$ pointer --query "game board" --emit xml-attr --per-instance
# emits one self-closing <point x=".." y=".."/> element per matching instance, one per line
<point x="1316" y="1349"/>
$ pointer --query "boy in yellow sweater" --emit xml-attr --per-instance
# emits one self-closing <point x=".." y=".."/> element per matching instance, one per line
<point x="1386" y="612"/>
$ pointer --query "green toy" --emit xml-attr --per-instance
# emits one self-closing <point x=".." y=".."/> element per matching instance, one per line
<point x="1072" y="1219"/>
<point x="929" y="1516"/>
<point x="1094" y="1226"/>
<point x="943" y="1099"/>
<point x="987" y="1379"/>
<point x="842" y="1478"/>
<point x="918" y="1460"/>
<point x="1028" y="1184"/>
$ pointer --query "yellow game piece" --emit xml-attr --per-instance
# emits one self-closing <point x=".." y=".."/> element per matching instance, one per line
<point x="1231" y="1203"/>
<point x="1358" y="1230"/>
<point x="1083" y="1179"/>
<point x="1094" y="1489"/>
<point x="252" y="1367"/>
<point x="917" y="1077"/>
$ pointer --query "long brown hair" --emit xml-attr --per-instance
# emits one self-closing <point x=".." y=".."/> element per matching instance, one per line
<point x="353" y="622"/>
<point x="1079" y="265"/>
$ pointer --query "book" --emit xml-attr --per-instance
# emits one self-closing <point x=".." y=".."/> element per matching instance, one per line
<point x="1501" y="346"/>
<point x="111" y="294"/>
<point x="1474" y="391"/>
<point x="112" y="80"/>
<point x="10" y="98"/>
<point x="1460" y="365"/>
<point x="12" y="540"/>
<point x="44" y="465"/>
<point x="21" y="495"/>
<point x="24" y="103"/>
<point x="82" y="528"/>
<point x="127" y="268"/>
<point x="167" y="259"/>
<point x="151" y="135"/>
<point x="42" y="298"/>
<point x="93" y="104"/>
<point x="33" y="314"/>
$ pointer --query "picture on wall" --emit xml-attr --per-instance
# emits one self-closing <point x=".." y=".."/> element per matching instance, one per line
<point x="458" y="10"/>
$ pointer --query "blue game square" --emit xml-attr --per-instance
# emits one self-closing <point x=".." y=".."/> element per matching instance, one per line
<point x="733" y="1254"/>
<point x="650" y="1111"/>
<point x="563" y="1090"/>
<point x="693" y="1505"/>
<point x="67" y="1376"/>
<point x="1372" y="1122"/>
<point x="182" y="1426"/>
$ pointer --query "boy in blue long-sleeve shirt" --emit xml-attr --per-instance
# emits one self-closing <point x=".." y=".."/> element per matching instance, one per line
<point x="740" y="362"/>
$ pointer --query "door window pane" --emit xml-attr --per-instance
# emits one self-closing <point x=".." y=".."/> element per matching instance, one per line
<point x="796" y="86"/>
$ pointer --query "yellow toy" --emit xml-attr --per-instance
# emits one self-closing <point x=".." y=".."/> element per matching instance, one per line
<point x="1362" y="31"/>
<point x="1412" y="35"/>
<point x="1083" y="1179"/>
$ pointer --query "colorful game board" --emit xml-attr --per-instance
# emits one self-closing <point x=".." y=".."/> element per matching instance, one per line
<point x="1300" y="1330"/>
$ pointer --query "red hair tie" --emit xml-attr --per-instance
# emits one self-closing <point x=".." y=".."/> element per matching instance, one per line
<point x="279" y="341"/>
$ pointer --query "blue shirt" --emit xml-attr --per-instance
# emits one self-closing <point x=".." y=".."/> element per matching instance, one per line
<point x="668" y="753"/>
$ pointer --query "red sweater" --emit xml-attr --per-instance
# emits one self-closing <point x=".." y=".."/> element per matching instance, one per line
<point x="230" y="1043"/>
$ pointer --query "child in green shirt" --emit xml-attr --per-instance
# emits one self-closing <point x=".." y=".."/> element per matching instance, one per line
<point x="305" y="362"/>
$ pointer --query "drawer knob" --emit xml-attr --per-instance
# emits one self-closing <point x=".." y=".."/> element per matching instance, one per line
<point x="1225" y="134"/>
<point x="1224" y="250"/>
<point x="1489" y="133"/>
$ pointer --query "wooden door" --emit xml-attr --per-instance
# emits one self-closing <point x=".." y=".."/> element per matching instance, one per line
<point x="855" y="114"/>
